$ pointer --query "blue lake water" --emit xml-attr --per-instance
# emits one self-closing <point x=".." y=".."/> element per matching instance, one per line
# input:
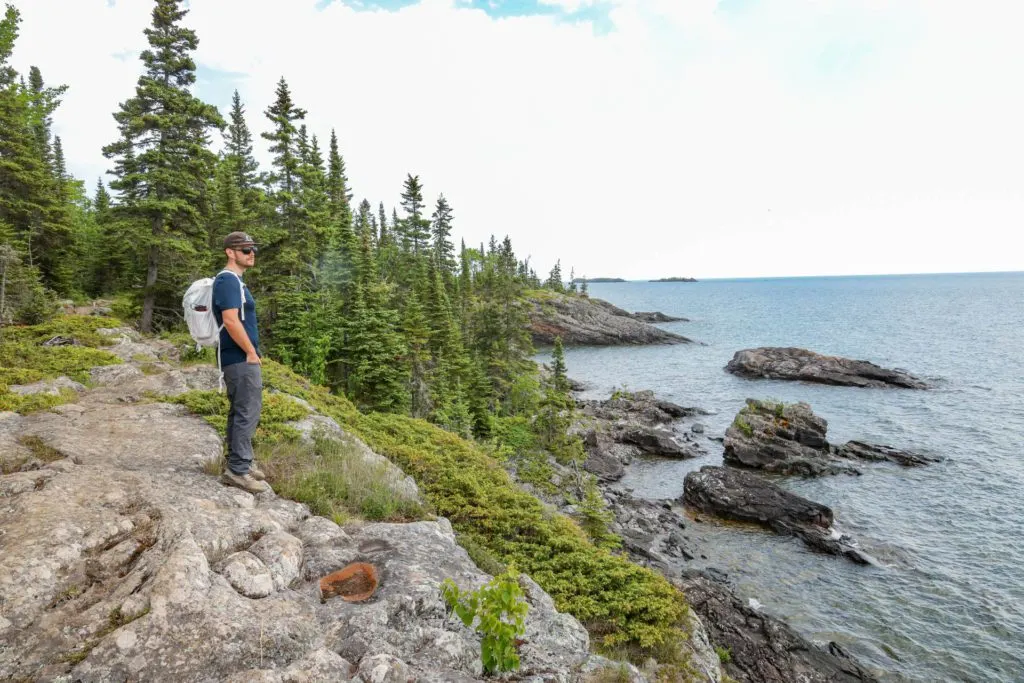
<point x="948" y="602"/>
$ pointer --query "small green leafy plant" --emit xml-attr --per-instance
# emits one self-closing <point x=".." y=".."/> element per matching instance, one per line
<point x="500" y="612"/>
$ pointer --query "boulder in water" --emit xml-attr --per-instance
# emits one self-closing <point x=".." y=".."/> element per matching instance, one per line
<point x="745" y="497"/>
<point x="807" y="366"/>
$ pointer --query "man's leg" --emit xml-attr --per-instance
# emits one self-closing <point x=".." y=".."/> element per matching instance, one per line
<point x="230" y="385"/>
<point x="247" y="405"/>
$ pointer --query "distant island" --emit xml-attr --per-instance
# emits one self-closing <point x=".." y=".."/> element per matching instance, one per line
<point x="581" y="280"/>
<point x="674" y="279"/>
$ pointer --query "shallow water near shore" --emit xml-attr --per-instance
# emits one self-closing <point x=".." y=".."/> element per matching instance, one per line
<point x="947" y="601"/>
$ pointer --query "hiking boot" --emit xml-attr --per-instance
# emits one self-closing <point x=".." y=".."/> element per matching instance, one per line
<point x="257" y="473"/>
<point x="246" y="482"/>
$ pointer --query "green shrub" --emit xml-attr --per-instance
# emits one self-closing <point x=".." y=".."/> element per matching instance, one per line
<point x="742" y="425"/>
<point x="499" y="611"/>
<point x="724" y="654"/>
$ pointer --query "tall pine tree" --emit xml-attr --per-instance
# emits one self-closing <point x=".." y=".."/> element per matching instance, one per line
<point x="165" y="130"/>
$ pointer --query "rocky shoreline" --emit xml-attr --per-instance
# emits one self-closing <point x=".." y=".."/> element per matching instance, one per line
<point x="581" y="320"/>
<point x="658" y="534"/>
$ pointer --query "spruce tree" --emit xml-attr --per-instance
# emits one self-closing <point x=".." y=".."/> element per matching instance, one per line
<point x="338" y="194"/>
<point x="166" y="128"/>
<point x="238" y="147"/>
<point x="44" y="102"/>
<point x="37" y="220"/>
<point x="60" y="170"/>
<point x="282" y="234"/>
<point x="415" y="229"/>
<point x="441" y="229"/>
<point x="555" y="278"/>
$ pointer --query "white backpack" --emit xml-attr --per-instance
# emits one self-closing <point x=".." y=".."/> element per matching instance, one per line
<point x="202" y="325"/>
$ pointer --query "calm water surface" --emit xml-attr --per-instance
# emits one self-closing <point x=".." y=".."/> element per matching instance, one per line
<point x="948" y="602"/>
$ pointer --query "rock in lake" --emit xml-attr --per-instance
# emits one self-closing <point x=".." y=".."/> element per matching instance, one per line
<point x="763" y="649"/>
<point x="630" y="424"/>
<point x="865" y="451"/>
<point x="585" y="321"/>
<point x="808" y="366"/>
<point x="657" y="317"/>
<point x="744" y="497"/>
<point x="790" y="439"/>
<point x="781" y="438"/>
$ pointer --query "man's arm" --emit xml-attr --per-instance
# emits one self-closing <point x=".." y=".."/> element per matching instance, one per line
<point x="234" y="327"/>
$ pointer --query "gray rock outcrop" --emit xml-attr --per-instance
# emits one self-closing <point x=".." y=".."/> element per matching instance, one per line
<point x="744" y="497"/>
<point x="123" y="560"/>
<point x="781" y="438"/>
<point x="807" y="366"/>
<point x="591" y="322"/>
<point x="791" y="439"/>
<point x="627" y="425"/>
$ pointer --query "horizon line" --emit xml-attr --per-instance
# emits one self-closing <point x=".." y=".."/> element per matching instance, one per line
<point x="793" y="277"/>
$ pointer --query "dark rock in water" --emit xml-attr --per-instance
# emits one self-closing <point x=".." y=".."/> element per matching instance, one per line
<point x="742" y="496"/>
<point x="781" y="438"/>
<point x="641" y="407"/>
<point x="865" y="451"/>
<point x="790" y="439"/>
<point x="734" y="494"/>
<point x="697" y="428"/>
<point x="655" y="441"/>
<point x="763" y="649"/>
<point x="657" y="317"/>
<point x="575" y="384"/>
<point x="627" y="425"/>
<point x="808" y="366"/>
<point x="580" y="320"/>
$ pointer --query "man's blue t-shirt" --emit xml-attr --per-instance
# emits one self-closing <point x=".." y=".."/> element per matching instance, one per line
<point x="227" y="294"/>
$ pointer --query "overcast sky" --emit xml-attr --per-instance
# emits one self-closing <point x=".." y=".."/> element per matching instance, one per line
<point x="630" y="138"/>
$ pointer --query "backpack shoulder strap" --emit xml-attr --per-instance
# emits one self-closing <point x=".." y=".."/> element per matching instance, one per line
<point x="241" y="290"/>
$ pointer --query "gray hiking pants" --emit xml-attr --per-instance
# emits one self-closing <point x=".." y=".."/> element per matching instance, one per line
<point x="245" y="392"/>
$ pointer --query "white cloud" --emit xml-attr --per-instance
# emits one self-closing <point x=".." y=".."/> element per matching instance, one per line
<point x="791" y="137"/>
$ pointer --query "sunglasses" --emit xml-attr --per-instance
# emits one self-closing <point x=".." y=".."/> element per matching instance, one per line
<point x="248" y="250"/>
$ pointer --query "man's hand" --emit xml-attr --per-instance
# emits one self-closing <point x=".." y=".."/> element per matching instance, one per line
<point x="253" y="359"/>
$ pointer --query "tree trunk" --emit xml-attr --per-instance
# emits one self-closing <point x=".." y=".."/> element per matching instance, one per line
<point x="149" y="300"/>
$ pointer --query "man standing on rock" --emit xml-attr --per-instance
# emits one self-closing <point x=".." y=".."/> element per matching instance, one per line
<point x="235" y="310"/>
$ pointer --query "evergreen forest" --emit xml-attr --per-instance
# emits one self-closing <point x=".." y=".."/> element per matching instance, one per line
<point x="380" y="304"/>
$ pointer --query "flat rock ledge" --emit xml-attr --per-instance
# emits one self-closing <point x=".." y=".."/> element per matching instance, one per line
<point x="740" y="496"/>
<point x="791" y="439"/>
<point x="807" y="366"/>
<point x="583" y="321"/>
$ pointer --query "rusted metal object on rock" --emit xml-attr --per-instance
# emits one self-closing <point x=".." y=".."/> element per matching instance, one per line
<point x="354" y="583"/>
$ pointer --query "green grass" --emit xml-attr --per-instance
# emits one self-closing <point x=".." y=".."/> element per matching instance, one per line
<point x="23" y="359"/>
<point x="40" y="449"/>
<point x="724" y="654"/>
<point x="278" y="410"/>
<point x="335" y="481"/>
